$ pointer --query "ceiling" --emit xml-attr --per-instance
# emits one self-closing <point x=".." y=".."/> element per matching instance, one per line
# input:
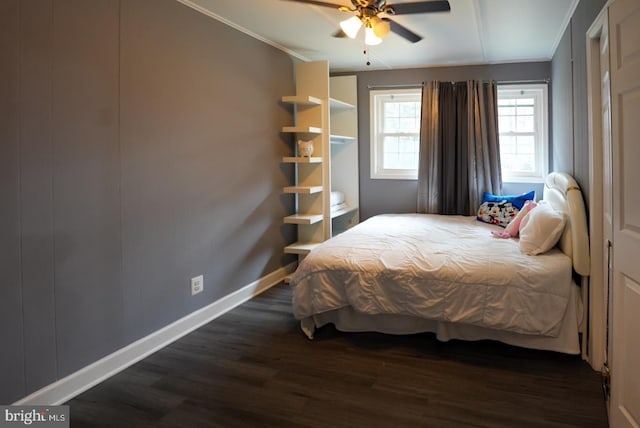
<point x="473" y="32"/>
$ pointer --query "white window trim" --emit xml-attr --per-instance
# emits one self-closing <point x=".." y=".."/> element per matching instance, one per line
<point x="542" y="123"/>
<point x="377" y="172"/>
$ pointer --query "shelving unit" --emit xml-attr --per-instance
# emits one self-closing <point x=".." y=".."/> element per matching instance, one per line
<point x="327" y="116"/>
<point x="302" y="100"/>
<point x="303" y="190"/>
<point x="343" y="211"/>
<point x="337" y="104"/>
<point x="344" y="150"/>
<point x="311" y="115"/>
<point x="302" y="129"/>
<point x="303" y="218"/>
<point x="291" y="159"/>
<point x="301" y="249"/>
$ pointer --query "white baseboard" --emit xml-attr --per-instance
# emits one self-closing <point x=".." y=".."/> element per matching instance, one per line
<point x="68" y="387"/>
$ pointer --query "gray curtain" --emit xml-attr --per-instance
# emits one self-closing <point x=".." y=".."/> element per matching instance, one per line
<point x="429" y="160"/>
<point x="459" y="151"/>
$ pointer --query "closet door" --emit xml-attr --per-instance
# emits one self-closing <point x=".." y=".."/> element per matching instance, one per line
<point x="624" y="33"/>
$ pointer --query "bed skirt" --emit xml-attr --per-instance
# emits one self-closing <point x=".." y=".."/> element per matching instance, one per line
<point x="348" y="320"/>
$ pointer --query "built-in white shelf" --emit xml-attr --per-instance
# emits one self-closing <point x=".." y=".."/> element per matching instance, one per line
<point x="306" y="190"/>
<point x="325" y="111"/>
<point x="301" y="248"/>
<point x="290" y="159"/>
<point x="303" y="129"/>
<point x="303" y="219"/>
<point x="341" y="139"/>
<point x="302" y="100"/>
<point x="336" y="104"/>
<point x="347" y="210"/>
<point x="343" y="147"/>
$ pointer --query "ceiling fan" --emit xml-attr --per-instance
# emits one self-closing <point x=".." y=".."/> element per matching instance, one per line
<point x="373" y="15"/>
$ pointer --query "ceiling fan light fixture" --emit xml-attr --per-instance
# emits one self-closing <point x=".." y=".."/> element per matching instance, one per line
<point x="380" y="28"/>
<point x="370" y="37"/>
<point x="351" y="26"/>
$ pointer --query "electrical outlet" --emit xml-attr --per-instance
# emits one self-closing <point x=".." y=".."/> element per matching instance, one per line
<point x="197" y="284"/>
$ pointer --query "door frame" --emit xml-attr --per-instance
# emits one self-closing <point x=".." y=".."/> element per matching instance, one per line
<point x="596" y="332"/>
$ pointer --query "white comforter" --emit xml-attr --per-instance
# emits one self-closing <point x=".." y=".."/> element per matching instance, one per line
<point x="446" y="268"/>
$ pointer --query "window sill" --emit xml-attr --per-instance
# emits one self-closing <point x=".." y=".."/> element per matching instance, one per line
<point x="523" y="180"/>
<point x="394" y="177"/>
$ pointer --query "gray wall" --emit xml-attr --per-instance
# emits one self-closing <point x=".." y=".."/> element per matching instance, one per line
<point x="399" y="196"/>
<point x="569" y="96"/>
<point x="562" y="110"/>
<point x="140" y="146"/>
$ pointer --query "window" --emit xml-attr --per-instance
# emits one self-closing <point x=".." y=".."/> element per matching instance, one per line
<point x="523" y="129"/>
<point x="395" y="133"/>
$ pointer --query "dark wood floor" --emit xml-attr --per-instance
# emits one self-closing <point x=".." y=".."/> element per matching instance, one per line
<point x="253" y="367"/>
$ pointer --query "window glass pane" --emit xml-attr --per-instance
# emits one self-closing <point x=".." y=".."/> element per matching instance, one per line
<point x="503" y="111"/>
<point x="526" y="144"/>
<point x="506" y="123"/>
<point x="525" y="110"/>
<point x="406" y="145"/>
<point x="391" y="124"/>
<point x="390" y="145"/>
<point x="408" y="124"/>
<point x="525" y="154"/>
<point x="507" y="145"/>
<point x="390" y="161"/>
<point x="408" y="109"/>
<point x="400" y="152"/>
<point x="525" y="101"/>
<point x="507" y="161"/>
<point x="525" y="164"/>
<point x="391" y="109"/>
<point x="407" y="161"/>
<point x="525" y="124"/>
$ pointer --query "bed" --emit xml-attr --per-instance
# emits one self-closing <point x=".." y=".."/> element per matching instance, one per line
<point x="413" y="273"/>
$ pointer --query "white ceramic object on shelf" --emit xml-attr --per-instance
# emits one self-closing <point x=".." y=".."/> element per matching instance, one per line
<point x="305" y="148"/>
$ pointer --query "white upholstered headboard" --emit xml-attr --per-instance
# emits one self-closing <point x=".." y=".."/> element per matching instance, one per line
<point x="564" y="194"/>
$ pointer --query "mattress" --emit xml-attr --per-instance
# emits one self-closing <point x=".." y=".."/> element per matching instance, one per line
<point x="441" y="268"/>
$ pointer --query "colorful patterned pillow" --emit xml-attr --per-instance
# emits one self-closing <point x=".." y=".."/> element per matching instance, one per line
<point x="502" y="209"/>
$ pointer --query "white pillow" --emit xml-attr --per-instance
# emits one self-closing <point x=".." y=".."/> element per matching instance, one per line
<point x="541" y="229"/>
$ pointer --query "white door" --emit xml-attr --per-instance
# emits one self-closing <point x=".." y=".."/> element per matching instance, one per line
<point x="624" y="33"/>
<point x="601" y="193"/>
<point x="607" y="188"/>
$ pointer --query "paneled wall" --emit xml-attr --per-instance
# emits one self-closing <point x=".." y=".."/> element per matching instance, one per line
<point x="569" y="96"/>
<point x="140" y="146"/>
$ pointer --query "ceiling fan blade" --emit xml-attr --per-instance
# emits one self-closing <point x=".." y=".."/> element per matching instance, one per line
<point x="340" y="34"/>
<point x="403" y="31"/>
<point x="421" y="7"/>
<point x="317" y="3"/>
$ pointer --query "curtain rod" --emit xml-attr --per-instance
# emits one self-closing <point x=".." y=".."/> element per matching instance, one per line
<point x="407" y="85"/>
<point x="419" y="85"/>
<point x="521" y="82"/>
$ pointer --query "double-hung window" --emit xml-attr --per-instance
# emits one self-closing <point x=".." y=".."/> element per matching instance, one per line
<point x="395" y="133"/>
<point x="523" y="129"/>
